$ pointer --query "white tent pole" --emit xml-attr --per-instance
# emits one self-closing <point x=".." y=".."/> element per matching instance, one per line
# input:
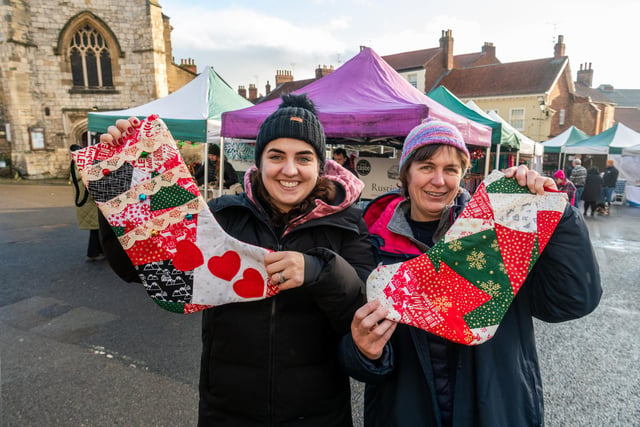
<point x="498" y="156"/>
<point x="221" y="168"/>
<point x="205" y="156"/>
<point x="559" y="159"/>
<point x="518" y="156"/>
<point x="486" y="162"/>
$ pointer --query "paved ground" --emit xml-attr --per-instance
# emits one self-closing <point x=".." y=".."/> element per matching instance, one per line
<point x="80" y="347"/>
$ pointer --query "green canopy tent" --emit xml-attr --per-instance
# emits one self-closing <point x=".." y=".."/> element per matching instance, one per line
<point x="501" y="137"/>
<point x="568" y="137"/>
<point x="192" y="113"/>
<point x="610" y="141"/>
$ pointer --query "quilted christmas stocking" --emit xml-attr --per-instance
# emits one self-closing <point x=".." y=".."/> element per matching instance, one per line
<point x="461" y="288"/>
<point x="184" y="258"/>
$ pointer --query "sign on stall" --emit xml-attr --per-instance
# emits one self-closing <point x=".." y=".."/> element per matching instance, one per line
<point x="379" y="175"/>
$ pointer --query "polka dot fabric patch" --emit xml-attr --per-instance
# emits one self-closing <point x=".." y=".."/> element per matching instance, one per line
<point x="462" y="287"/>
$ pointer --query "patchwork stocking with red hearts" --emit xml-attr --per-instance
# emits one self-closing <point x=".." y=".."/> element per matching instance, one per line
<point x="184" y="258"/>
<point x="462" y="287"/>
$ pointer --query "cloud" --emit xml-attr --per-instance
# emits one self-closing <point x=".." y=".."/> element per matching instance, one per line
<point x="239" y="28"/>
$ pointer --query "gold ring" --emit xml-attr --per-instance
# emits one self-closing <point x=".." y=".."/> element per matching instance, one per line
<point x="281" y="278"/>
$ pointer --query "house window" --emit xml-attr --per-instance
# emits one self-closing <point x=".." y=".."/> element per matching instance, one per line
<point x="516" y="118"/>
<point x="413" y="79"/>
<point x="562" y="117"/>
<point x="90" y="59"/>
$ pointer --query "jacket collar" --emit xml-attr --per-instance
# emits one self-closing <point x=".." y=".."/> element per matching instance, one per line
<point x="349" y="186"/>
<point x="387" y="216"/>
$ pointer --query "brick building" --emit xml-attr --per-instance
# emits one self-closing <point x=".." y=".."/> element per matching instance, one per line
<point x="61" y="59"/>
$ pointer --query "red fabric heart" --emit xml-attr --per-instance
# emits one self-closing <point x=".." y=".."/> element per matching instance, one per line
<point x="225" y="266"/>
<point x="251" y="285"/>
<point x="188" y="256"/>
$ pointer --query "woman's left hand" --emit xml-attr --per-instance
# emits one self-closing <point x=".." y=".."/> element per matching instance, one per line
<point x="531" y="179"/>
<point x="285" y="269"/>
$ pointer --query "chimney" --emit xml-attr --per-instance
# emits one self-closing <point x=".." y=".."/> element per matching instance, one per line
<point x="242" y="91"/>
<point x="558" y="50"/>
<point x="283" y="76"/>
<point x="321" y="72"/>
<point x="253" y="92"/>
<point x="446" y="44"/>
<point x="267" y="88"/>
<point x="585" y="75"/>
<point x="189" y="64"/>
<point x="488" y="49"/>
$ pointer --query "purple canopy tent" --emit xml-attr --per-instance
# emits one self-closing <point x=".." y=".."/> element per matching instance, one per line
<point x="364" y="101"/>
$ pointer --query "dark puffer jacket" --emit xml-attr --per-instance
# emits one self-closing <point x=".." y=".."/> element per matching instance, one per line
<point x="273" y="362"/>
<point x="593" y="186"/>
<point x="498" y="382"/>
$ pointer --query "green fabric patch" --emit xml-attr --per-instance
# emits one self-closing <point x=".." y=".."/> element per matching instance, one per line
<point x="174" y="307"/>
<point x="170" y="197"/>
<point x="507" y="185"/>
<point x="119" y="231"/>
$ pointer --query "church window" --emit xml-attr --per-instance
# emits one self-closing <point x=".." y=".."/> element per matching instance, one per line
<point x="90" y="59"/>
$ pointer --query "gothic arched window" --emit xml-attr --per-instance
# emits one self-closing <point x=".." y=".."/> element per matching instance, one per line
<point x="90" y="59"/>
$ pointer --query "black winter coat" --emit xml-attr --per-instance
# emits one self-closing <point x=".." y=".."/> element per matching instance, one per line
<point x="273" y="362"/>
<point x="610" y="177"/>
<point x="497" y="383"/>
<point x="592" y="186"/>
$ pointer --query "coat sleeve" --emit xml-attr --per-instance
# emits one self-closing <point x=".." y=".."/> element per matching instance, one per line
<point x="338" y="289"/>
<point x="114" y="253"/>
<point x="358" y="367"/>
<point x="565" y="282"/>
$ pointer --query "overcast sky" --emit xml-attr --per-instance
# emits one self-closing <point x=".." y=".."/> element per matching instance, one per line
<point x="247" y="41"/>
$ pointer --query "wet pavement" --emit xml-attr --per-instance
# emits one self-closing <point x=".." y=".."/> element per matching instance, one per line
<point x="80" y="347"/>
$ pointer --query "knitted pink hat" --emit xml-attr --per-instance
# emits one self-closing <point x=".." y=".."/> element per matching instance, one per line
<point x="559" y="174"/>
<point x="432" y="131"/>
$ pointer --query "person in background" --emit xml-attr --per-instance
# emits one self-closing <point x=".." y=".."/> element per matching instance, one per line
<point x="274" y="361"/>
<point x="214" y="157"/>
<point x="565" y="185"/>
<point x="415" y="378"/>
<point x="592" y="190"/>
<point x="340" y="155"/>
<point x="578" y="177"/>
<point x="86" y="211"/>
<point x="609" y="181"/>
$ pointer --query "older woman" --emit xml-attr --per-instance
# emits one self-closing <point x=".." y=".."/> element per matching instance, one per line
<point x="416" y="378"/>
<point x="273" y="362"/>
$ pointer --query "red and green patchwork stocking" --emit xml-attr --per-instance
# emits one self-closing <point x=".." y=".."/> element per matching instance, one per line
<point x="184" y="258"/>
<point x="462" y="287"/>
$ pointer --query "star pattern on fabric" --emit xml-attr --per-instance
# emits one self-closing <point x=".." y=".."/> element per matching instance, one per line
<point x="462" y="287"/>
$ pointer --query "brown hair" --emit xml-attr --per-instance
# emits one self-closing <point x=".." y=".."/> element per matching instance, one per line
<point x="324" y="190"/>
<point x="425" y="153"/>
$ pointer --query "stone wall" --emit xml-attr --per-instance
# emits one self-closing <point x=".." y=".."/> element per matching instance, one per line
<point x="36" y="81"/>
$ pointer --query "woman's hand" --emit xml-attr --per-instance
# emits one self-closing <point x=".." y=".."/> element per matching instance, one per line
<point x="531" y="179"/>
<point x="285" y="269"/>
<point x="116" y="134"/>
<point x="371" y="330"/>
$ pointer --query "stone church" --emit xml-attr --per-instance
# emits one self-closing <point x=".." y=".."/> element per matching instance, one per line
<point x="61" y="59"/>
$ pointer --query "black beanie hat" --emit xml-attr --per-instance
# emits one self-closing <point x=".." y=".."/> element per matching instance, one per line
<point x="295" y="118"/>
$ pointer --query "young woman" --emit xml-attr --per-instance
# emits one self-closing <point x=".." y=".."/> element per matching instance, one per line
<point x="415" y="378"/>
<point x="274" y="362"/>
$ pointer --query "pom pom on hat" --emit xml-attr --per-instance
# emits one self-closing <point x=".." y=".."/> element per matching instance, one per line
<point x="295" y="118"/>
<point x="432" y="131"/>
<point x="559" y="174"/>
